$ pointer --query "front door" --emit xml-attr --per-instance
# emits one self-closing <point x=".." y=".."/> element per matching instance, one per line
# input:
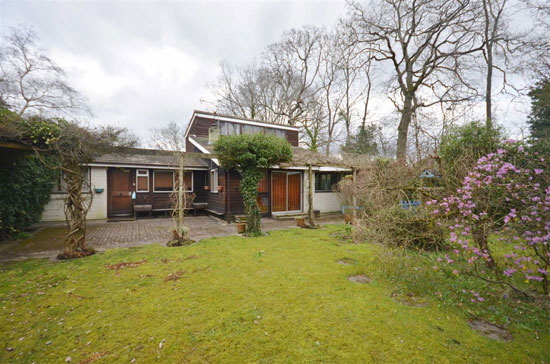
<point x="120" y="192"/>
<point x="294" y="189"/>
<point x="263" y="194"/>
<point x="278" y="191"/>
<point x="286" y="190"/>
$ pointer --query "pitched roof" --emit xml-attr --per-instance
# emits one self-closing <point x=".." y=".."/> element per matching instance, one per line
<point x="149" y="158"/>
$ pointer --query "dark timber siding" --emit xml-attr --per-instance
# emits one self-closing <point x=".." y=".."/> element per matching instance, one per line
<point x="216" y="201"/>
<point x="161" y="200"/>
<point x="200" y="127"/>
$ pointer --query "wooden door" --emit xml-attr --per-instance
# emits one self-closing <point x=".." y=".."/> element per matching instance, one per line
<point x="263" y="194"/>
<point x="278" y="191"/>
<point x="294" y="191"/>
<point x="120" y="192"/>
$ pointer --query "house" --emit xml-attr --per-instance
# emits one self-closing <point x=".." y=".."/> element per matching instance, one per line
<point x="136" y="177"/>
<point x="282" y="190"/>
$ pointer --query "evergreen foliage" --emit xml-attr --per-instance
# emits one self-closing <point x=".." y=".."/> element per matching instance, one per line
<point x="250" y="155"/>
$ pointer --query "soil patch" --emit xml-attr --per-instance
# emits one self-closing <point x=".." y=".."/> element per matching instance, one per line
<point x="174" y="276"/>
<point x="346" y="261"/>
<point x="123" y="265"/>
<point x="361" y="278"/>
<point x="491" y="331"/>
<point x="408" y="299"/>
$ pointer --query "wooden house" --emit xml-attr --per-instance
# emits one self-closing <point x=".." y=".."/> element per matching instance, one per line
<point x="123" y="183"/>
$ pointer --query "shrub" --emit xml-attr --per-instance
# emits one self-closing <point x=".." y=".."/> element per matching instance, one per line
<point x="250" y="155"/>
<point x="24" y="191"/>
<point x="506" y="194"/>
<point x="462" y="147"/>
<point x="400" y="228"/>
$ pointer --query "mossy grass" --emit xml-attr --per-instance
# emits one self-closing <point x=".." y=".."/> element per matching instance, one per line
<point x="280" y="298"/>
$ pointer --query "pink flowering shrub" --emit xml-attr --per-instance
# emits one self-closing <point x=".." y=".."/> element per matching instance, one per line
<point x="507" y="195"/>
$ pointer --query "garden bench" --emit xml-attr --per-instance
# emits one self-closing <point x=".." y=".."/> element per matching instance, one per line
<point x="199" y="206"/>
<point x="143" y="208"/>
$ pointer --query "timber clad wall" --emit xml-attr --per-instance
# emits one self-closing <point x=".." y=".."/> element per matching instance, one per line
<point x="200" y="127"/>
<point x="235" y="206"/>
<point x="216" y="201"/>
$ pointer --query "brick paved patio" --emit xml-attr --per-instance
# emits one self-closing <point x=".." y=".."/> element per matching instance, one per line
<point x="48" y="241"/>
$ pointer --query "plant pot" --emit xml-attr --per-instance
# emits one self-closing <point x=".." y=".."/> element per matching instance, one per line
<point x="300" y="221"/>
<point x="348" y="218"/>
<point x="241" y="228"/>
<point x="220" y="188"/>
<point x="206" y="188"/>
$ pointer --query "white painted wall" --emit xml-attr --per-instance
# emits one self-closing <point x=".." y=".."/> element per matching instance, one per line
<point x="323" y="201"/>
<point x="55" y="209"/>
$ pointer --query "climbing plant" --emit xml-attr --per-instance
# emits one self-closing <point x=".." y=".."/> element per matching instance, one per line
<point x="250" y="155"/>
<point x="71" y="146"/>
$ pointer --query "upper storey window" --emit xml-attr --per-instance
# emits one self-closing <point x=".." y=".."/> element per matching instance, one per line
<point x="228" y="128"/>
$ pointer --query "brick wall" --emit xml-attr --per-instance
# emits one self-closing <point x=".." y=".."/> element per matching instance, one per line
<point x="55" y="209"/>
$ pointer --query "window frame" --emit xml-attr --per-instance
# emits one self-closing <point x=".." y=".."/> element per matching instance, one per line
<point x="192" y="182"/>
<point x="60" y="188"/>
<point x="330" y="174"/>
<point x="216" y="179"/>
<point x="137" y="182"/>
<point x="164" y="171"/>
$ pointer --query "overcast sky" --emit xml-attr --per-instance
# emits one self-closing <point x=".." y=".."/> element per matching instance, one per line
<point x="144" y="63"/>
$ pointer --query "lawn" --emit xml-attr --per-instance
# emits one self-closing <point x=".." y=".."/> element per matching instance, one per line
<point x="282" y="298"/>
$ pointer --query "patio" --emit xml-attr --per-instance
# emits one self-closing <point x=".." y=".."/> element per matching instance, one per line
<point x="47" y="240"/>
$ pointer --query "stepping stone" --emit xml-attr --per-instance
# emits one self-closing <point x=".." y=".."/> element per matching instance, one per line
<point x="491" y="331"/>
<point x="361" y="278"/>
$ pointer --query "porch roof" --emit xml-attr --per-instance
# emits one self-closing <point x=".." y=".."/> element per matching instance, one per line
<point x="151" y="158"/>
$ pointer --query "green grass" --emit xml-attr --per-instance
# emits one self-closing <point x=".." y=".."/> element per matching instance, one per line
<point x="282" y="298"/>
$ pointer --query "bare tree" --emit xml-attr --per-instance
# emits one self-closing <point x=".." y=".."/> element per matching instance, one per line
<point x="31" y="82"/>
<point x="424" y="42"/>
<point x="169" y="137"/>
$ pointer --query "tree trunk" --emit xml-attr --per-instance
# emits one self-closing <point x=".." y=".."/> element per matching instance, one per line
<point x="181" y="202"/>
<point x="76" y="209"/>
<point x="310" y="196"/>
<point x="489" y="80"/>
<point x="403" y="129"/>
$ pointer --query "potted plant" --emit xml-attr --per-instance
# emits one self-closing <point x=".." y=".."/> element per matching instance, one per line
<point x="220" y="188"/>
<point x="206" y="188"/>
<point x="241" y="227"/>
<point x="300" y="221"/>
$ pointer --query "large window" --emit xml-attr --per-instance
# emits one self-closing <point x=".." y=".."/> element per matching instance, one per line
<point x="327" y="181"/>
<point x="187" y="180"/>
<point x="61" y="185"/>
<point x="142" y="180"/>
<point x="163" y="181"/>
<point x="214" y="180"/>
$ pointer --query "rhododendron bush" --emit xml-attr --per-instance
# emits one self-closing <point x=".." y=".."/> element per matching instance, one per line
<point x="506" y="195"/>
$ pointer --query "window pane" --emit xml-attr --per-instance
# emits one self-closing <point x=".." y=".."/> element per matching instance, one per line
<point x="214" y="180"/>
<point x="143" y="184"/>
<point x="164" y="181"/>
<point x="187" y="180"/>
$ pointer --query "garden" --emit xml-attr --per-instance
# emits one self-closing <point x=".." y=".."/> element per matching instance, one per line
<point x="290" y="296"/>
